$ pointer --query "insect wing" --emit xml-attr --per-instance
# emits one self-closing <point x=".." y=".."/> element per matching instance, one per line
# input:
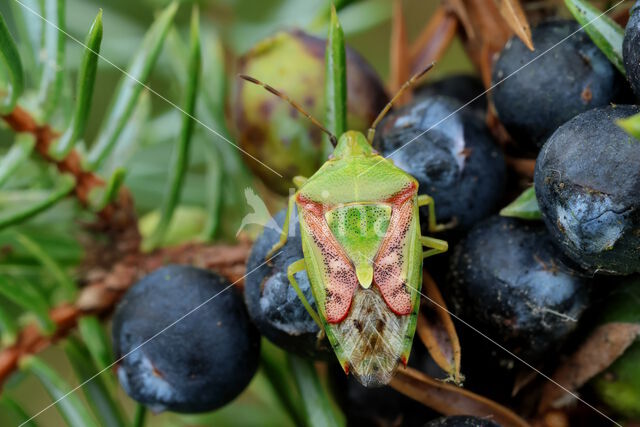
<point x="398" y="264"/>
<point x="331" y="274"/>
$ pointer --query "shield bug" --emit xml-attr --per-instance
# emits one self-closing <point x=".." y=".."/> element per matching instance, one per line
<point x="363" y="250"/>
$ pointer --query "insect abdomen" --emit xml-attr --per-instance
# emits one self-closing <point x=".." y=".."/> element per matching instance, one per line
<point x="371" y="338"/>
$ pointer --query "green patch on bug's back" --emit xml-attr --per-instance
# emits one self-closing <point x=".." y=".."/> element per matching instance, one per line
<point x="360" y="229"/>
<point x="372" y="340"/>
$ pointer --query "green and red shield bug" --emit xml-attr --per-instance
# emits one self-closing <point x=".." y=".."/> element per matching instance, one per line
<point x="363" y="250"/>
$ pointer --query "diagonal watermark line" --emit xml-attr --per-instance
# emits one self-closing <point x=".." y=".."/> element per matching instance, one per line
<point x="495" y="85"/>
<point x="163" y="330"/>
<point x="174" y="105"/>
<point x="524" y="362"/>
<point x="266" y="166"/>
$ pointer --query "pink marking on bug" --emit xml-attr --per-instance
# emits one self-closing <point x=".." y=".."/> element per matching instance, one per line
<point x="389" y="263"/>
<point x="403" y="195"/>
<point x="342" y="280"/>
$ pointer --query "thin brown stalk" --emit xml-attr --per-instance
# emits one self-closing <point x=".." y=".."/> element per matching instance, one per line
<point x="434" y="40"/>
<point x="399" y="54"/>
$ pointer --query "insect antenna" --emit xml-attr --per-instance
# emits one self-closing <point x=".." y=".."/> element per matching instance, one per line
<point x="385" y="110"/>
<point x="294" y="104"/>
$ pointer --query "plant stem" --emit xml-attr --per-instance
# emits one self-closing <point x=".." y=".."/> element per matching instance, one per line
<point x="140" y="416"/>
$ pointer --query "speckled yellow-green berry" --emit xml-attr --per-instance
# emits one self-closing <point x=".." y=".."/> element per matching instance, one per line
<point x="274" y="132"/>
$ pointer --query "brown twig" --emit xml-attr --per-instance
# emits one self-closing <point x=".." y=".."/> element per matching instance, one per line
<point x="118" y="220"/>
<point x="32" y="341"/>
<point x="522" y="166"/>
<point x="117" y="216"/>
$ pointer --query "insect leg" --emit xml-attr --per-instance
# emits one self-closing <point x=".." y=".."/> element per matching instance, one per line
<point x="291" y="271"/>
<point x="436" y="246"/>
<point x="426" y="200"/>
<point x="285" y="229"/>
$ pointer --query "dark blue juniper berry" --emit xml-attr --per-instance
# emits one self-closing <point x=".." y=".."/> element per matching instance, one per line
<point x="572" y="77"/>
<point x="531" y="298"/>
<point x="587" y="182"/>
<point x="631" y="48"/>
<point x="193" y="363"/>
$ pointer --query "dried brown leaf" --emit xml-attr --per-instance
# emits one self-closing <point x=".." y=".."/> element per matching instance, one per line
<point x="94" y="298"/>
<point x="486" y="20"/>
<point x="513" y="14"/>
<point x="495" y="126"/>
<point x="458" y="7"/>
<point x="621" y="15"/>
<point x="399" y="54"/>
<point x="437" y="331"/>
<point x="523" y="379"/>
<point x="523" y="167"/>
<point x="553" y="418"/>
<point x="451" y="400"/>
<point x="491" y="35"/>
<point x="538" y="11"/>
<point x="434" y="40"/>
<point x="606" y="344"/>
